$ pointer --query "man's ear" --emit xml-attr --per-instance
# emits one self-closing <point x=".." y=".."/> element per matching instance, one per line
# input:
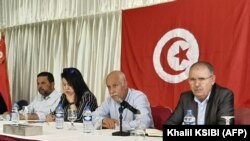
<point x="213" y="79"/>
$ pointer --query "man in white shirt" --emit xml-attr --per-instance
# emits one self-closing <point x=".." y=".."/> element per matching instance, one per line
<point x="119" y="91"/>
<point x="47" y="98"/>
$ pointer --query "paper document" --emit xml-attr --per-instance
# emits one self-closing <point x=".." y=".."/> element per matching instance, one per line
<point x="154" y="132"/>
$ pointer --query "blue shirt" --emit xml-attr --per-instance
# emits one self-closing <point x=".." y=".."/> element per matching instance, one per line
<point x="137" y="99"/>
<point x="201" y="110"/>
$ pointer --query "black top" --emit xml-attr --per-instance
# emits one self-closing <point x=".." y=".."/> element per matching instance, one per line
<point x="88" y="99"/>
<point x="3" y="107"/>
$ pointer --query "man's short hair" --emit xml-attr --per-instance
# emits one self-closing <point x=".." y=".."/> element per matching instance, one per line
<point x="204" y="63"/>
<point x="48" y="74"/>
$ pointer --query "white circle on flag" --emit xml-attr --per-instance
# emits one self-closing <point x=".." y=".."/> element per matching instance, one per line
<point x="187" y="42"/>
<point x="1" y="54"/>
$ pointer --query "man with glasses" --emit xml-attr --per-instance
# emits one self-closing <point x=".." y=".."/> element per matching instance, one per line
<point x="208" y="101"/>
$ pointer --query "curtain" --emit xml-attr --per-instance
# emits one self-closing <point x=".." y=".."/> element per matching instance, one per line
<point x="18" y="12"/>
<point x="90" y="43"/>
<point x="48" y="35"/>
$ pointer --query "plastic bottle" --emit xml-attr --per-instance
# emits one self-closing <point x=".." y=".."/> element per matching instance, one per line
<point x="87" y="120"/>
<point x="59" y="117"/>
<point x="189" y="118"/>
<point x="14" y="113"/>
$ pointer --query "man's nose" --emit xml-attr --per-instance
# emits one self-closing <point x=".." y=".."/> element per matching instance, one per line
<point x="197" y="82"/>
<point x="112" y="90"/>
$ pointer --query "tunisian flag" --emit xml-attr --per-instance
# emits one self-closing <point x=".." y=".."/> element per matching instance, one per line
<point x="4" y="82"/>
<point x="159" y="43"/>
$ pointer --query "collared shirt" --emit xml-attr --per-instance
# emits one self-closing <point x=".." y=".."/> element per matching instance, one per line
<point x="201" y="110"/>
<point x="43" y="106"/>
<point x="135" y="98"/>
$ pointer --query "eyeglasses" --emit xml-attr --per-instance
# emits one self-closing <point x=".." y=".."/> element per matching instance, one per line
<point x="200" y="79"/>
<point x="69" y="70"/>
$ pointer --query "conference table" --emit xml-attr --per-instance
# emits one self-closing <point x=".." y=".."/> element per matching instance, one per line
<point x="50" y="133"/>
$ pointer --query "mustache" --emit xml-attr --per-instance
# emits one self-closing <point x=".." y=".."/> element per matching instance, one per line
<point x="118" y="99"/>
<point x="114" y="94"/>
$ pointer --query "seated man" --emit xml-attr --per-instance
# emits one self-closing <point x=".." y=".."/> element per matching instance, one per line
<point x="208" y="101"/>
<point x="119" y="91"/>
<point x="46" y="100"/>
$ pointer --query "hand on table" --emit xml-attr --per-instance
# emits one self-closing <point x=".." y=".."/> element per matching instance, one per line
<point x="109" y="123"/>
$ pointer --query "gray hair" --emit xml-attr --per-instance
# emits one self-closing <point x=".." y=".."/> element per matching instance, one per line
<point x="203" y="63"/>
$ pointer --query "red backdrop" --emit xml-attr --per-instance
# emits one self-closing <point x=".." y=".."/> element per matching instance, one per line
<point x="159" y="43"/>
<point x="4" y="81"/>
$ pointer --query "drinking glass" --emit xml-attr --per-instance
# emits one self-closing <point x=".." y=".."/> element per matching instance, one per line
<point x="140" y="129"/>
<point x="25" y="112"/>
<point x="97" y="122"/>
<point x="139" y="135"/>
<point x="72" y="117"/>
<point x="227" y="119"/>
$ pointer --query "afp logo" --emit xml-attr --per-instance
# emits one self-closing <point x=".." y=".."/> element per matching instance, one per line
<point x="186" y="43"/>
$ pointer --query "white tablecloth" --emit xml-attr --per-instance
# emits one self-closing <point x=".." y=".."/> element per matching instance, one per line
<point x="50" y="133"/>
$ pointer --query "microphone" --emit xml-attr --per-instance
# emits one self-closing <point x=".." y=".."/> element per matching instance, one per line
<point x="125" y="104"/>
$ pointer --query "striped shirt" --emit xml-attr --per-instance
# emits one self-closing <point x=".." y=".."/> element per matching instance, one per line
<point x="87" y="99"/>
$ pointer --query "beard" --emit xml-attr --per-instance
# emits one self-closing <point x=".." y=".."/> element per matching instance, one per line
<point x="43" y="92"/>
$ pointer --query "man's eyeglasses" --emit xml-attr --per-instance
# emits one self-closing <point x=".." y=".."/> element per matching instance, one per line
<point x="69" y="70"/>
<point x="200" y="79"/>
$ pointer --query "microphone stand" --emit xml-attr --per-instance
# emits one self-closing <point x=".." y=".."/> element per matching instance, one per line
<point x="121" y="133"/>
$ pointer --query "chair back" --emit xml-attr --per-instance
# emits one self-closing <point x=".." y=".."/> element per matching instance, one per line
<point x="22" y="103"/>
<point x="242" y="116"/>
<point x="160" y="115"/>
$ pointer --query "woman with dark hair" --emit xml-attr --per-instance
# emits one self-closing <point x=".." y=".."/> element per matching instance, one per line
<point x="76" y="94"/>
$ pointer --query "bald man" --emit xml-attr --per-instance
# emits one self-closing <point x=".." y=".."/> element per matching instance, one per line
<point x="208" y="101"/>
<point x="118" y="90"/>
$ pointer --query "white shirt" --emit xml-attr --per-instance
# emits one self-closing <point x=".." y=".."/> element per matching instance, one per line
<point x="43" y="106"/>
<point x="201" y="110"/>
<point x="135" y="98"/>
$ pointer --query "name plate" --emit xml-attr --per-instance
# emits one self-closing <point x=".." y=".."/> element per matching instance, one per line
<point x="22" y="130"/>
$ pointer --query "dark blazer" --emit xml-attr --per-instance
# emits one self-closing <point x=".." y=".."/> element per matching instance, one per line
<point x="220" y="103"/>
<point x="3" y="107"/>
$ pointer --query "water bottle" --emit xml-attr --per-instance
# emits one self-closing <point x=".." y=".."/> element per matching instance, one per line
<point x="59" y="117"/>
<point x="189" y="118"/>
<point x="14" y="113"/>
<point x="87" y="120"/>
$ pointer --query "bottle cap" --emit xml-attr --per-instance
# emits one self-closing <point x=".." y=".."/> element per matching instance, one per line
<point x="189" y="111"/>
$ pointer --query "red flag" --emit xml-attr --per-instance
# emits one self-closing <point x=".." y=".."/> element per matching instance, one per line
<point x="4" y="82"/>
<point x="159" y="43"/>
